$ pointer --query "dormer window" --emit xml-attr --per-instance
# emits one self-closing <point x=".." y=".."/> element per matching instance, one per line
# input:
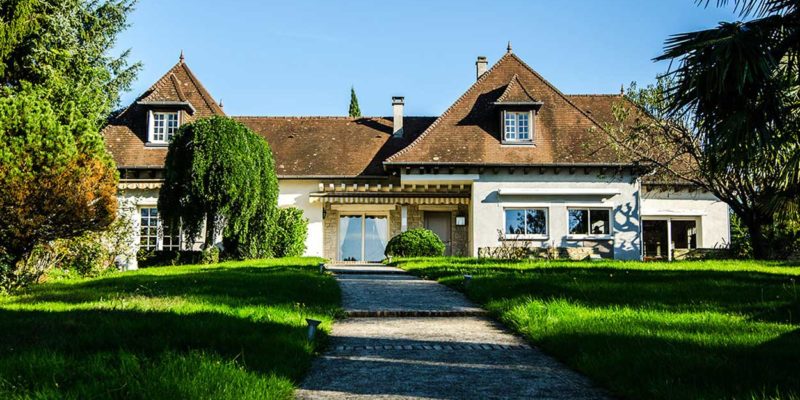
<point x="517" y="126"/>
<point x="163" y="126"/>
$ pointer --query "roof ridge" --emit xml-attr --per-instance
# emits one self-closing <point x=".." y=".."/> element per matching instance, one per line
<point x="449" y="109"/>
<point x="177" y="84"/>
<point x="204" y="93"/>
<point x="513" y="83"/>
<point x="560" y="93"/>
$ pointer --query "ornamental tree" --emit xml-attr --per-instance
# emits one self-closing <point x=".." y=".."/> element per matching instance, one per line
<point x="56" y="179"/>
<point x="220" y="176"/>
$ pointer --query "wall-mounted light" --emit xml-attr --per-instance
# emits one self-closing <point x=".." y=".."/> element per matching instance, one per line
<point x="461" y="220"/>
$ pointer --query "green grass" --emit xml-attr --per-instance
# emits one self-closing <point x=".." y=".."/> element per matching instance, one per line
<point x="683" y="330"/>
<point x="233" y="330"/>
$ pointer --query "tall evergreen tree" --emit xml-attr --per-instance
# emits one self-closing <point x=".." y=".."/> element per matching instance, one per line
<point x="58" y="84"/>
<point x="355" y="111"/>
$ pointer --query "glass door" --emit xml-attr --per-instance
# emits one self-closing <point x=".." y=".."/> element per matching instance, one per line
<point x="350" y="238"/>
<point x="376" y="232"/>
<point x="363" y="237"/>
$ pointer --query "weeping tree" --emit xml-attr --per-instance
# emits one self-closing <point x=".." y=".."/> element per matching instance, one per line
<point x="727" y="115"/>
<point x="220" y="179"/>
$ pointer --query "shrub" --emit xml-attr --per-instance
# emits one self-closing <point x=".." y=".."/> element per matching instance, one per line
<point x="415" y="243"/>
<point x="95" y="253"/>
<point x="291" y="229"/>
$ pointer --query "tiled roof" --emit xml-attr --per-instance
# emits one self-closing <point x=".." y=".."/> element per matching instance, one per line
<point x="126" y="134"/>
<point x="333" y="146"/>
<point x="567" y="129"/>
<point x="469" y="132"/>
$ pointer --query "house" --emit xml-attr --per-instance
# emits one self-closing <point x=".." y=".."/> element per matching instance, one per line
<point x="513" y="159"/>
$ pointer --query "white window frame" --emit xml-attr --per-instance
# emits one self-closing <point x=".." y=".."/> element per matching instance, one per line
<point x="590" y="235"/>
<point x="513" y="137"/>
<point x="159" y="232"/>
<point x="537" y="236"/>
<point x="151" y="126"/>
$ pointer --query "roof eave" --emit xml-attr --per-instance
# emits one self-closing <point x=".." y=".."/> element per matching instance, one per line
<point x="167" y="103"/>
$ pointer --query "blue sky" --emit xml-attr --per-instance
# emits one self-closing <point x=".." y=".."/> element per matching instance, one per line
<point x="301" y="57"/>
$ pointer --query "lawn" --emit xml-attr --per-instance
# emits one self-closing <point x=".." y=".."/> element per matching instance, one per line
<point x="683" y="330"/>
<point x="232" y="330"/>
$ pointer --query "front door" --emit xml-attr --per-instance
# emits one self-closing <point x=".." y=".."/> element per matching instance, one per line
<point x="439" y="223"/>
<point x="363" y="237"/>
<point x="656" y="239"/>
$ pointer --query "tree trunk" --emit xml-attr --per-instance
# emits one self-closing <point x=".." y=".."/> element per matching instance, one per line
<point x="758" y="240"/>
<point x="210" y="234"/>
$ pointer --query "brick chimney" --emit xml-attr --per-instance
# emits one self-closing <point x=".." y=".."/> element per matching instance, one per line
<point x="397" y="115"/>
<point x="481" y="66"/>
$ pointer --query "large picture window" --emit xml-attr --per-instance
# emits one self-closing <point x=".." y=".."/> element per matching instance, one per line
<point x="588" y="221"/>
<point x="153" y="235"/>
<point x="526" y="221"/>
<point x="516" y="126"/>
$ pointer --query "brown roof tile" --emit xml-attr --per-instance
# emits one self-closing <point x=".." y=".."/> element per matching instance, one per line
<point x="469" y="131"/>
<point x="333" y="146"/>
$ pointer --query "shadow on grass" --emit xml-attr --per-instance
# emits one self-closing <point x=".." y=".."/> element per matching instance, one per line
<point x="88" y="352"/>
<point x="653" y="367"/>
<point x="225" y="332"/>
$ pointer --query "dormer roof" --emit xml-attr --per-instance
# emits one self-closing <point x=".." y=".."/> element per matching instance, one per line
<point x="516" y="94"/>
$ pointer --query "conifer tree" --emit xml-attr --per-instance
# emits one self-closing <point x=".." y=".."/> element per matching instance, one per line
<point x="355" y="112"/>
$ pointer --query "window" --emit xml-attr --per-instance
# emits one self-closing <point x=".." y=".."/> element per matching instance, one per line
<point x="163" y="126"/>
<point x="584" y="221"/>
<point x="154" y="236"/>
<point x="517" y="126"/>
<point x="526" y="221"/>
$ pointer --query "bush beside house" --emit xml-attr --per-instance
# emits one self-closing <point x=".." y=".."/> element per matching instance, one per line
<point x="415" y="243"/>
<point x="291" y="229"/>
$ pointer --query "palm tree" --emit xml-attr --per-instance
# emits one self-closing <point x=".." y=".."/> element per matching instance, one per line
<point x="738" y="85"/>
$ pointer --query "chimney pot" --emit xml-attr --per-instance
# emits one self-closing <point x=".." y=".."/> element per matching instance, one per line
<point x="481" y="66"/>
<point x="398" y="102"/>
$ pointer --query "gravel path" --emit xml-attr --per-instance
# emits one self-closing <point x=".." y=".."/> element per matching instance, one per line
<point x="456" y="355"/>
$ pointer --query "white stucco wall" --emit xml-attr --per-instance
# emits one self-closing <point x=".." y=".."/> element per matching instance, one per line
<point x="487" y="207"/>
<point x="713" y="215"/>
<point x="295" y="193"/>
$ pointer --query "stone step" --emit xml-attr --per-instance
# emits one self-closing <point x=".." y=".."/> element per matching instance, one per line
<point x="431" y="347"/>
<point x="476" y="312"/>
<point x="365" y="269"/>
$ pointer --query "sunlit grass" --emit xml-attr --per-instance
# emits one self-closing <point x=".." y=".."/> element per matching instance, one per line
<point x="232" y="330"/>
<point x="709" y="330"/>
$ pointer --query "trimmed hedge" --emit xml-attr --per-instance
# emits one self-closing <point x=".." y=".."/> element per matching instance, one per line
<point x="291" y="229"/>
<point x="415" y="243"/>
